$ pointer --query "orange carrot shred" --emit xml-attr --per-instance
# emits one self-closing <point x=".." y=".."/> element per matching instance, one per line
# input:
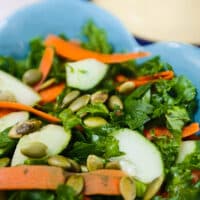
<point x="104" y="182"/>
<point x="190" y="130"/>
<point x="50" y="94"/>
<point x="45" y="65"/>
<point x="73" y="52"/>
<point x="142" y="80"/>
<point x="4" y="112"/>
<point x="121" y="78"/>
<point x="19" y="106"/>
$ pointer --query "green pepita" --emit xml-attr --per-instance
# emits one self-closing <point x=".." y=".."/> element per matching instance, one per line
<point x="84" y="168"/>
<point x="79" y="103"/>
<point x="24" y="128"/>
<point x="99" y="97"/>
<point x="126" y="87"/>
<point x="59" y="161"/>
<point x="70" y="97"/>
<point x="115" y="102"/>
<point x="32" y="76"/>
<point x="7" y="96"/>
<point x="127" y="188"/>
<point x="47" y="83"/>
<point x="93" y="122"/>
<point x="34" y="150"/>
<point x="76" y="182"/>
<point x="153" y="187"/>
<point x="113" y="165"/>
<point x="75" y="167"/>
<point x="4" y="162"/>
<point x="94" y="163"/>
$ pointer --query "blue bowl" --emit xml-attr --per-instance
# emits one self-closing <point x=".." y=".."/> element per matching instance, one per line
<point x="68" y="16"/>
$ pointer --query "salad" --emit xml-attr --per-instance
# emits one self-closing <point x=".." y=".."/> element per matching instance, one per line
<point x="78" y="121"/>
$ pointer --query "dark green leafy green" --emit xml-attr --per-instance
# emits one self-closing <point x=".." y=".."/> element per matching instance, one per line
<point x="169" y="148"/>
<point x="152" y="66"/>
<point x="13" y="67"/>
<point x="96" y="38"/>
<point x="64" y="192"/>
<point x="35" y="53"/>
<point x="184" y="89"/>
<point x="105" y="147"/>
<point x="32" y="195"/>
<point x="176" y="118"/>
<point x="69" y="119"/>
<point x="7" y="144"/>
<point x="94" y="109"/>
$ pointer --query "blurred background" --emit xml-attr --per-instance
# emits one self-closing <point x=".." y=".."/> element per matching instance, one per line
<point x="148" y="20"/>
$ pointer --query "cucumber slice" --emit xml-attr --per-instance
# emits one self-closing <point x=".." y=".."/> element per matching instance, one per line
<point x="85" y="74"/>
<point x="53" y="136"/>
<point x="12" y="119"/>
<point x="142" y="159"/>
<point x="23" y="93"/>
<point x="187" y="148"/>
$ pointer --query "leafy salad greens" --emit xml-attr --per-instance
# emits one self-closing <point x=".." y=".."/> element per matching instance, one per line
<point x="131" y="115"/>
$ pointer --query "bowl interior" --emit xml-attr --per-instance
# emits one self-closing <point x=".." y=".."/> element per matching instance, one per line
<point x="52" y="16"/>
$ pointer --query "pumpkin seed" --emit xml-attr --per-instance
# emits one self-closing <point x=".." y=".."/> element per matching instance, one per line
<point x="70" y="97"/>
<point x="34" y="150"/>
<point x="59" y="161"/>
<point x="32" y="76"/>
<point x="7" y="96"/>
<point x="99" y="97"/>
<point x="93" y="122"/>
<point x="84" y="168"/>
<point x="47" y="83"/>
<point x="75" y="167"/>
<point x="113" y="165"/>
<point x="94" y="162"/>
<point x="114" y="101"/>
<point x="79" y="103"/>
<point x="153" y="187"/>
<point x="76" y="182"/>
<point x="4" y="162"/>
<point x="126" y="87"/>
<point x="24" y="128"/>
<point x="127" y="188"/>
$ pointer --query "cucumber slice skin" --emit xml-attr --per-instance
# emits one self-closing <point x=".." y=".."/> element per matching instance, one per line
<point x="142" y="159"/>
<point x="53" y="136"/>
<point x="187" y="148"/>
<point x="23" y="93"/>
<point x="85" y="74"/>
<point x="13" y="118"/>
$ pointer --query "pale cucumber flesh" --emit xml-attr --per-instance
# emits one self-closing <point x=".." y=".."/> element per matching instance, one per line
<point x="141" y="158"/>
<point x="23" y="93"/>
<point x="53" y="136"/>
<point x="13" y="118"/>
<point x="85" y="74"/>
<point x="187" y="148"/>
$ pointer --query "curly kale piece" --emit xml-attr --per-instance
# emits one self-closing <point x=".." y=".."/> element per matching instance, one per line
<point x="96" y="38"/>
<point x="169" y="148"/>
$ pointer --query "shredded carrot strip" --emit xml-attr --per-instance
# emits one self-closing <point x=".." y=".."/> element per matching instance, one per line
<point x="4" y="112"/>
<point x="45" y="65"/>
<point x="50" y="94"/>
<point x="142" y="80"/>
<point x="75" y="52"/>
<point x="188" y="130"/>
<point x="19" y="106"/>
